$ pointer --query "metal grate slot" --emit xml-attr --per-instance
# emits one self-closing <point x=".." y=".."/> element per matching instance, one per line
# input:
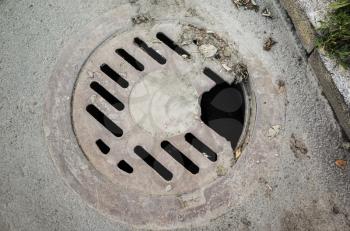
<point x="107" y="96"/>
<point x="114" y="75"/>
<point x="153" y="163"/>
<point x="180" y="157"/>
<point x="130" y="59"/>
<point x="103" y="146"/>
<point x="124" y="166"/>
<point x="150" y="51"/>
<point x="213" y="76"/>
<point x="104" y="120"/>
<point x="201" y="147"/>
<point x="172" y="45"/>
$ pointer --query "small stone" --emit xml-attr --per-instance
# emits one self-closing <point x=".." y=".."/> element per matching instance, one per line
<point x="168" y="188"/>
<point x="341" y="163"/>
<point x="266" y="13"/>
<point x="247" y="4"/>
<point x="139" y="19"/>
<point x="227" y="68"/>
<point x="221" y="170"/>
<point x="346" y="145"/>
<point x="269" y="43"/>
<point x="208" y="50"/>
<point x="184" y="56"/>
<point x="298" y="147"/>
<point x="274" y="131"/>
<point x="205" y="155"/>
<point x="227" y="52"/>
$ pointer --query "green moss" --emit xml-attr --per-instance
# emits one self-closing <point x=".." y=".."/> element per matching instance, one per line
<point x="334" y="33"/>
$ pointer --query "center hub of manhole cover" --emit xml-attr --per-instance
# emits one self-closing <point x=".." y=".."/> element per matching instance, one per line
<point x="163" y="104"/>
<point x="157" y="118"/>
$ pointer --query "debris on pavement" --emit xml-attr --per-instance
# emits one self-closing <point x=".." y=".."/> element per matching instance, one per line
<point x="269" y="43"/>
<point x="341" y="163"/>
<point x="298" y="147"/>
<point x="274" y="131"/>
<point x="281" y="86"/>
<point x="227" y="68"/>
<point x="212" y="45"/>
<point x="247" y="4"/>
<point x="168" y="188"/>
<point x="142" y="18"/>
<point x="185" y="56"/>
<point x="346" y="146"/>
<point x="266" y="13"/>
<point x="221" y="170"/>
<point x="208" y="50"/>
<point x="268" y="189"/>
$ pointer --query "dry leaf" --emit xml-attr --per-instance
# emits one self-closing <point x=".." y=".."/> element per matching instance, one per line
<point x="341" y="163"/>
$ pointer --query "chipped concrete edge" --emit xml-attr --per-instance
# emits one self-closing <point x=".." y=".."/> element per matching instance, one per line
<point x="307" y="35"/>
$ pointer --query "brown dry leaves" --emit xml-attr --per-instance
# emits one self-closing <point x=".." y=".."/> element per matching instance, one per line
<point x="341" y="163"/>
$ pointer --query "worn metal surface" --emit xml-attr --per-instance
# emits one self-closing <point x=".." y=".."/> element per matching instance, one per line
<point x="161" y="103"/>
<point x="143" y="197"/>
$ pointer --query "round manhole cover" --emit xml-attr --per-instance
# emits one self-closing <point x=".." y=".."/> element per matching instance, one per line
<point x="157" y="111"/>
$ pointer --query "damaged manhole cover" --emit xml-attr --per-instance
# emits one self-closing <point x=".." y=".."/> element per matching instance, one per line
<point x="155" y="121"/>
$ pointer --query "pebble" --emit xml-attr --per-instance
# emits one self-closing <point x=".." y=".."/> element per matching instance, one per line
<point x="208" y="50"/>
<point x="168" y="188"/>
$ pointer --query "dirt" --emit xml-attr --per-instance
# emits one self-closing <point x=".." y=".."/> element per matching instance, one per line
<point x="246" y="4"/>
<point x="142" y="18"/>
<point x="225" y="54"/>
<point x="269" y="43"/>
<point x="298" y="147"/>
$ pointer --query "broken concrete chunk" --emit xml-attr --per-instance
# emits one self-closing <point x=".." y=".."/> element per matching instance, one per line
<point x="208" y="50"/>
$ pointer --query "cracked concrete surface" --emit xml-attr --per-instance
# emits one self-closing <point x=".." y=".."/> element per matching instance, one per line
<point x="293" y="192"/>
